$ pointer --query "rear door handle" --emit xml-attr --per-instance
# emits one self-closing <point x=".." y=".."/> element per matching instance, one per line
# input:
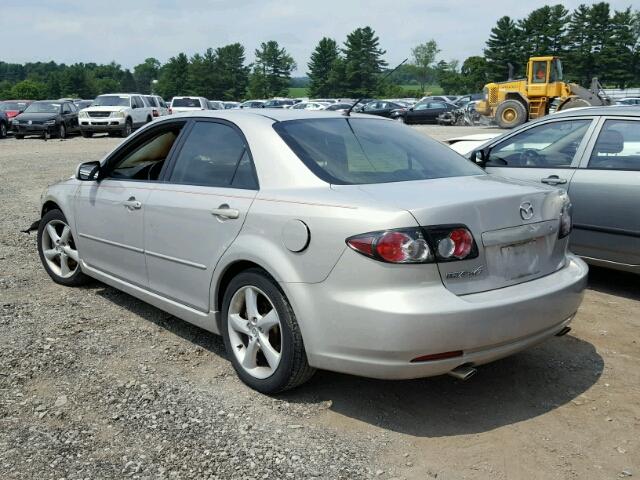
<point x="132" y="204"/>
<point x="223" y="211"/>
<point x="554" y="180"/>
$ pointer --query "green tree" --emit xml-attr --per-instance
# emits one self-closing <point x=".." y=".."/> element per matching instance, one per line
<point x="502" y="48"/>
<point x="233" y="74"/>
<point x="202" y="75"/>
<point x="77" y="81"/>
<point x="271" y="71"/>
<point x="321" y="69"/>
<point x="617" y="56"/>
<point x="363" y="62"/>
<point x="423" y="57"/>
<point x="449" y="78"/>
<point x="29" y="90"/>
<point x="127" y="82"/>
<point x="475" y="75"/>
<point x="144" y="73"/>
<point x="174" y="77"/>
<point x="543" y="32"/>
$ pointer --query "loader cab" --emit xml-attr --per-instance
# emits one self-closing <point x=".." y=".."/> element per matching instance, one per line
<point x="544" y="77"/>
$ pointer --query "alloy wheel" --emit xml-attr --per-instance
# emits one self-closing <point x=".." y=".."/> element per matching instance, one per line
<point x="255" y="332"/>
<point x="59" y="249"/>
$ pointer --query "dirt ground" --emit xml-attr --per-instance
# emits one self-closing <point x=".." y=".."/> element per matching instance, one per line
<point x="96" y="384"/>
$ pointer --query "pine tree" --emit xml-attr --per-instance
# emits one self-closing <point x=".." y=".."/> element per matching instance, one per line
<point x="502" y="49"/>
<point x="174" y="76"/>
<point x="233" y="75"/>
<point x="321" y="69"/>
<point x="271" y="71"/>
<point x="363" y="62"/>
<point x="617" y="55"/>
<point x="543" y="32"/>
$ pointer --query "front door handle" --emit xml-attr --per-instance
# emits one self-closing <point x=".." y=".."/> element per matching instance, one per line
<point x="223" y="211"/>
<point x="554" y="180"/>
<point x="132" y="204"/>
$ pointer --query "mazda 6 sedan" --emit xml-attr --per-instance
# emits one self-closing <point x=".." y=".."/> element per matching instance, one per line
<point x="315" y="240"/>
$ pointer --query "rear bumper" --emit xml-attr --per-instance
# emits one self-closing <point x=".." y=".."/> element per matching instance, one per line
<point x="377" y="334"/>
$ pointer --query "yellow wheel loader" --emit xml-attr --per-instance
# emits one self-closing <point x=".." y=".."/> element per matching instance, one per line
<point x="513" y="102"/>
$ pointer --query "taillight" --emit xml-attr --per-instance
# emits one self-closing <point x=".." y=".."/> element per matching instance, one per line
<point x="417" y="245"/>
<point x="393" y="246"/>
<point x="170" y="111"/>
<point x="566" y="223"/>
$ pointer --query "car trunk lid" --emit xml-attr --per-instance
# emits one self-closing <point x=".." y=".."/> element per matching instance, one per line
<point x="514" y="224"/>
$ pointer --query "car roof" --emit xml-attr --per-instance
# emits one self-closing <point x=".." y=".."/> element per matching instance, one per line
<point x="626" y="110"/>
<point x="277" y="115"/>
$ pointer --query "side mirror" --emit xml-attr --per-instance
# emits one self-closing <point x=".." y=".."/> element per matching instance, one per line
<point x="480" y="157"/>
<point x="88" y="171"/>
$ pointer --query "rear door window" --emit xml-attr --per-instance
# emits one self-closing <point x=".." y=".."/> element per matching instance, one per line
<point x="617" y="147"/>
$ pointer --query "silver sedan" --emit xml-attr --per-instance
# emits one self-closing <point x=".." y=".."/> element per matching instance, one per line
<point x="319" y="240"/>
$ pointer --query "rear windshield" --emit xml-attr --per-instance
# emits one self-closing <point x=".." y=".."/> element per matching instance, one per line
<point x="111" y="101"/>
<point x="362" y="151"/>
<point x="186" y="102"/>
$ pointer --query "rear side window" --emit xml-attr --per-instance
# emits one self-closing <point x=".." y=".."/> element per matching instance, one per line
<point x="214" y="155"/>
<point x="362" y="151"/>
<point x="618" y="146"/>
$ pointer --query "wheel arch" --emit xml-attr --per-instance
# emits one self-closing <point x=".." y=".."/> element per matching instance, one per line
<point x="519" y="97"/>
<point x="48" y="206"/>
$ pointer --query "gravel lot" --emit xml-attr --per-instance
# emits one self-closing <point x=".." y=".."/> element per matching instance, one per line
<point x="96" y="384"/>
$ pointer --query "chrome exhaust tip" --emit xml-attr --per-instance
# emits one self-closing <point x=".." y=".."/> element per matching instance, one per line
<point x="564" y="331"/>
<point x="463" y="372"/>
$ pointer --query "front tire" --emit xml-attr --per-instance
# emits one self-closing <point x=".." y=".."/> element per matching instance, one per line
<point x="3" y="130"/>
<point x="511" y="114"/>
<point x="62" y="131"/>
<point x="128" y="128"/>
<point x="58" y="251"/>
<point x="261" y="334"/>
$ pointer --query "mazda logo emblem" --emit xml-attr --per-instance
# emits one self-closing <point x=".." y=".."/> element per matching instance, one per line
<point x="526" y="211"/>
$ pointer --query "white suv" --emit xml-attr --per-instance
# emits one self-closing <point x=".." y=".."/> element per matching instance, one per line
<point x="115" y="113"/>
<point x="188" y="104"/>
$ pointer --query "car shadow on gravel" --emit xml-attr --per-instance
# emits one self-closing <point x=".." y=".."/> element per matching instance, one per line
<point x="505" y="392"/>
<point x="613" y="282"/>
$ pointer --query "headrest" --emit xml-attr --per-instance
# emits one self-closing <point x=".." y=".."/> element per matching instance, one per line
<point x="610" y="141"/>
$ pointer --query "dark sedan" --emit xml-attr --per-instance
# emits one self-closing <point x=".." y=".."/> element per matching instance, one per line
<point x="423" y="112"/>
<point x="278" y="103"/>
<point x="382" y="108"/>
<point x="47" y="117"/>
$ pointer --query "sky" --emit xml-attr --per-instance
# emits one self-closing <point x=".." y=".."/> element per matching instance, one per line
<point x="127" y="32"/>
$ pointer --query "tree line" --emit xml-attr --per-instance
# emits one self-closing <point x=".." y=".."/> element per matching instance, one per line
<point x="592" y="40"/>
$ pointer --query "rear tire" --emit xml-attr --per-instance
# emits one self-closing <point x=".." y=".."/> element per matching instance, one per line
<point x="240" y="328"/>
<point x="511" y="114"/>
<point x="58" y="251"/>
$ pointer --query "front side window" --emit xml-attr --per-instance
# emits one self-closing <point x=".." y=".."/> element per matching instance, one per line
<point x="551" y="145"/>
<point x="144" y="160"/>
<point x="214" y="155"/>
<point x="618" y="146"/>
<point x="351" y="151"/>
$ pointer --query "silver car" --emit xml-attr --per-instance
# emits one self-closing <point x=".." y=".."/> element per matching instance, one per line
<point x="317" y="240"/>
<point x="594" y="155"/>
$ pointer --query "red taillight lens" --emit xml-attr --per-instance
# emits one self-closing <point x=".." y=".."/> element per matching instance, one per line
<point x="170" y="111"/>
<point x="393" y="246"/>
<point x="443" y="243"/>
<point x="457" y="244"/>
